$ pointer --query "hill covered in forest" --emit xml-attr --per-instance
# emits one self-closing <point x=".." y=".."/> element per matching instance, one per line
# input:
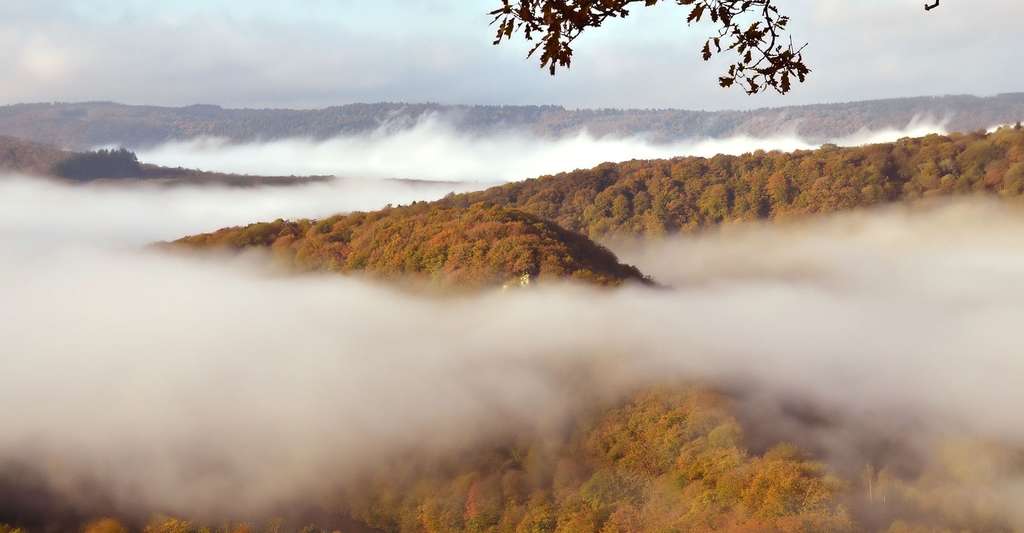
<point x="536" y="227"/>
<point x="85" y="125"/>
<point x="28" y="157"/>
<point x="685" y="194"/>
<point x="662" y="460"/>
<point x="38" y="159"/>
<point x="473" y="246"/>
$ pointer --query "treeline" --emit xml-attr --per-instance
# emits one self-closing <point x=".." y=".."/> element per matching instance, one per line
<point x="106" y="123"/>
<point x="660" y="197"/>
<point x="673" y="459"/>
<point x="670" y="460"/>
<point x="17" y="155"/>
<point x="513" y="230"/>
<point x="678" y="460"/>
<point x="25" y="157"/>
<point x="104" y="163"/>
<point x="467" y="247"/>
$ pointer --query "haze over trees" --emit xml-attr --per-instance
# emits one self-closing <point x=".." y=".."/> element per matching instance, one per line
<point x="36" y="159"/>
<point x="665" y="459"/>
<point x="27" y="157"/>
<point x="668" y="459"/>
<point x="745" y="450"/>
<point x="82" y="126"/>
<point x="502" y="233"/>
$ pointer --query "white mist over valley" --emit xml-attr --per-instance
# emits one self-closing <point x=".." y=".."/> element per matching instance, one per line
<point x="138" y="214"/>
<point x="833" y="311"/>
<point x="432" y="149"/>
<point x="511" y="266"/>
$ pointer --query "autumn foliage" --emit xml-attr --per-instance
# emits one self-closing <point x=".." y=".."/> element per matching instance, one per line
<point x="662" y="460"/>
<point x="659" y="197"/>
<point x="473" y="246"/>
<point x="536" y="227"/>
<point x="666" y="460"/>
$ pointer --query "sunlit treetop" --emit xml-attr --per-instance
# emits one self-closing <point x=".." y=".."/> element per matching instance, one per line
<point x="752" y="31"/>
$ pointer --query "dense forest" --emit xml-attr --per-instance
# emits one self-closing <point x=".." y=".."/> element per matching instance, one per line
<point x="668" y="460"/>
<point x="675" y="459"/>
<point x="27" y="157"/>
<point x="516" y="229"/>
<point x="96" y="164"/>
<point x="85" y="125"/>
<point x="467" y="247"/>
<point x="659" y="197"/>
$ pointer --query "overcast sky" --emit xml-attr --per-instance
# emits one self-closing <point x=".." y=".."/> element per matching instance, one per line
<point x="313" y="53"/>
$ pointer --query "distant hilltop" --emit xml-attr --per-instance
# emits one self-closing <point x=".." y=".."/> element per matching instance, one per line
<point x="78" y="126"/>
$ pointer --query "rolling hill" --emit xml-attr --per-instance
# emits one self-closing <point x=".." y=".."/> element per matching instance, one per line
<point x="536" y="227"/>
<point x="27" y="157"/>
<point x="662" y="460"/>
<point x="660" y="197"/>
<point x="448" y="246"/>
<point x="82" y="126"/>
<point x="19" y="156"/>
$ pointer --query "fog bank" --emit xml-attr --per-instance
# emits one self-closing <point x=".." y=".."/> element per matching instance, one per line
<point x="433" y="150"/>
<point x="171" y="381"/>
<point x="137" y="213"/>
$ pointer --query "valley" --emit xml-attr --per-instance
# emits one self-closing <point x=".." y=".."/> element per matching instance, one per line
<point x="521" y="266"/>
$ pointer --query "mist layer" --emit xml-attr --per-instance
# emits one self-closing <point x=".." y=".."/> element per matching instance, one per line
<point x="171" y="381"/>
<point x="432" y="149"/>
<point x="133" y="214"/>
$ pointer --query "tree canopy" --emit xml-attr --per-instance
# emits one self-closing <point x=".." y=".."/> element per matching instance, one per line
<point x="685" y="194"/>
<point x="475" y="246"/>
<point x="113" y="163"/>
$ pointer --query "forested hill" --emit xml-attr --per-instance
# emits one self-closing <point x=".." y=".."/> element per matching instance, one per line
<point x="465" y="247"/>
<point x="666" y="460"/>
<point x="27" y="157"/>
<point x="38" y="159"/>
<point x="85" y="125"/>
<point x="18" y="156"/>
<point x="537" y="226"/>
<point x="684" y="194"/>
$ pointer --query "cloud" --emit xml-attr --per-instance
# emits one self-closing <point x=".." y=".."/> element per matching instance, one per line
<point x="133" y="214"/>
<point x="434" y="150"/>
<point x="170" y="381"/>
<point x="122" y="214"/>
<point x="324" y="53"/>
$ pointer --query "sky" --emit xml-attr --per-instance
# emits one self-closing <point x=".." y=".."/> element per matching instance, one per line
<point x="317" y="53"/>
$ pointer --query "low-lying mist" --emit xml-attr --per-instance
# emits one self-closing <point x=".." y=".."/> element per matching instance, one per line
<point x="136" y="213"/>
<point x="434" y="150"/>
<point x="186" y="385"/>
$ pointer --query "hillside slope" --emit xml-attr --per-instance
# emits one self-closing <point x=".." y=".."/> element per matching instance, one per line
<point x="659" y="197"/>
<point x="28" y="157"/>
<point x="19" y="156"/>
<point x="475" y="246"/>
<point x="85" y="125"/>
<point x="664" y="460"/>
<point x="504" y="232"/>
